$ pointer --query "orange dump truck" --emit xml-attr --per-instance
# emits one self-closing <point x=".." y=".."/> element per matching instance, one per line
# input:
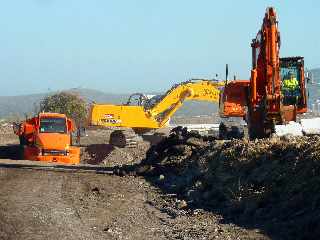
<point x="47" y="137"/>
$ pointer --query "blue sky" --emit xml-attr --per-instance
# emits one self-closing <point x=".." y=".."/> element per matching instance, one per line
<point x="130" y="46"/>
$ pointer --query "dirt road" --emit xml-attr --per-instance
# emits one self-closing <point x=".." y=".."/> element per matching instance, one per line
<point x="37" y="204"/>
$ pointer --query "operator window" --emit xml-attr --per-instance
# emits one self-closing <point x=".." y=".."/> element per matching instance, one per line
<point x="53" y="125"/>
<point x="290" y="85"/>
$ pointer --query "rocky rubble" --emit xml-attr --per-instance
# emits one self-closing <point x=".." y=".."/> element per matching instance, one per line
<point x="270" y="183"/>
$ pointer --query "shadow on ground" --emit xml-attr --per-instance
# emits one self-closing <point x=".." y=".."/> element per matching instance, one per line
<point x="97" y="153"/>
<point x="153" y="139"/>
<point x="10" y="152"/>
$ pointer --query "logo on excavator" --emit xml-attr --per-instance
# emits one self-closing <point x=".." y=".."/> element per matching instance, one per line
<point x="112" y="121"/>
<point x="209" y="92"/>
<point x="108" y="116"/>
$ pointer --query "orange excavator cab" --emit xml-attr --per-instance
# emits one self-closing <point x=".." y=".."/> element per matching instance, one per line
<point x="292" y="68"/>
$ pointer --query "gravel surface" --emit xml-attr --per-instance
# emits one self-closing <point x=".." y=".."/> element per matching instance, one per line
<point x="50" y="205"/>
<point x="37" y="204"/>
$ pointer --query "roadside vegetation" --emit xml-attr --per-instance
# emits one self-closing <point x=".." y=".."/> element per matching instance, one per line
<point x="68" y="103"/>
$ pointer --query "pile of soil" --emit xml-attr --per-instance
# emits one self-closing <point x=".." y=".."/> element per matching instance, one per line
<point x="110" y="156"/>
<point x="95" y="149"/>
<point x="270" y="183"/>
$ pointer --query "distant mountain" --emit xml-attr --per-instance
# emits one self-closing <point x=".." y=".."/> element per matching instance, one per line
<point x="314" y="87"/>
<point x="14" y="107"/>
<point x="195" y="108"/>
<point x="91" y="95"/>
<point x="18" y="106"/>
<point x="316" y="72"/>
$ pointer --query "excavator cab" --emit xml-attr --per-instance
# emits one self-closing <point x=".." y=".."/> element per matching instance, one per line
<point x="293" y="88"/>
<point x="136" y="99"/>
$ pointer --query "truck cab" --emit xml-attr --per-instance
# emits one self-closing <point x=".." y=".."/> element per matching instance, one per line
<point x="47" y="137"/>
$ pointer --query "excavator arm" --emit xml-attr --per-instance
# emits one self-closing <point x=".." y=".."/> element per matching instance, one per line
<point x="197" y="90"/>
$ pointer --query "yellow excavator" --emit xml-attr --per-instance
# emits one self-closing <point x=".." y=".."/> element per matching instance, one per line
<point x="148" y="114"/>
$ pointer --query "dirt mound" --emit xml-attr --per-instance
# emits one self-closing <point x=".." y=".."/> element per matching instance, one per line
<point x="95" y="149"/>
<point x="111" y="156"/>
<point x="273" y="183"/>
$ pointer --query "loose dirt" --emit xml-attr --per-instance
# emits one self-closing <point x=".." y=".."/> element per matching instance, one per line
<point x="271" y="184"/>
<point x="185" y="187"/>
<point x="50" y="205"/>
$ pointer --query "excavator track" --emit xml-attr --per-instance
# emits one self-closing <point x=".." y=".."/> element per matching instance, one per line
<point x="124" y="138"/>
<point x="232" y="130"/>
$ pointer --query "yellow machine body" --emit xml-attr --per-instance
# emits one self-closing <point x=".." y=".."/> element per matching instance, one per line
<point x="157" y="115"/>
<point x="121" y="116"/>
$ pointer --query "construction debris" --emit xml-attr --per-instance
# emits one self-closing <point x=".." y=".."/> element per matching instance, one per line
<point x="274" y="182"/>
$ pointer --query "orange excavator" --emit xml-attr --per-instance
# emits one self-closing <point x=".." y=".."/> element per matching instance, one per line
<point x="265" y="101"/>
<point x="47" y="137"/>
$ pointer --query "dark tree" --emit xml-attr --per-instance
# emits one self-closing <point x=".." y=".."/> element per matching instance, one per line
<point x="68" y="103"/>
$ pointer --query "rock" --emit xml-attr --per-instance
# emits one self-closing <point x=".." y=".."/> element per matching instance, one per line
<point x="181" y="204"/>
<point x="141" y="169"/>
<point x="96" y="190"/>
<point x="192" y="141"/>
